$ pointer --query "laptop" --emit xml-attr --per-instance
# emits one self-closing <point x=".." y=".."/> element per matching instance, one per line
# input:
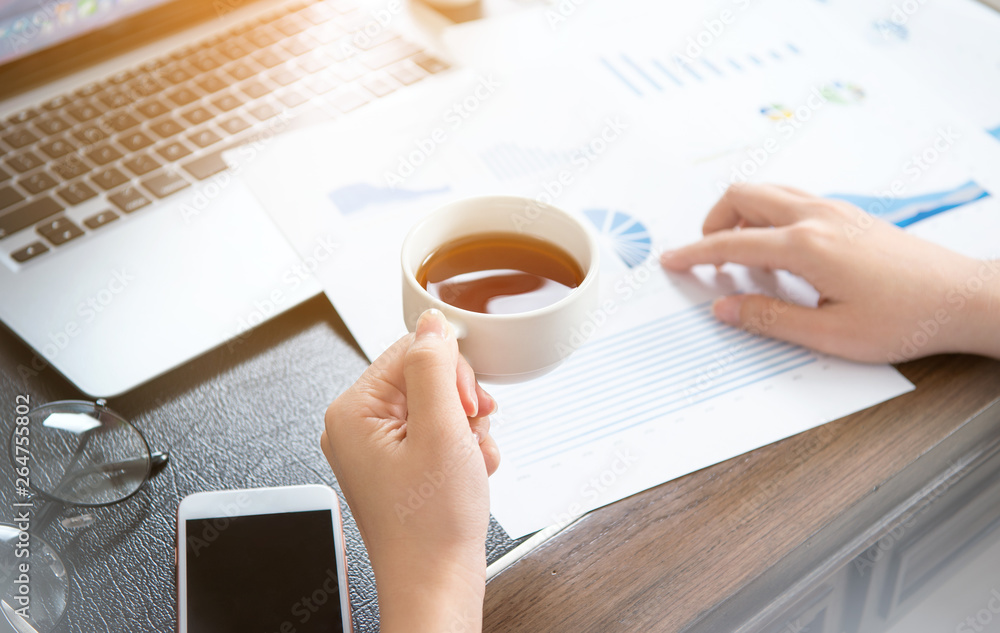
<point x="127" y="247"/>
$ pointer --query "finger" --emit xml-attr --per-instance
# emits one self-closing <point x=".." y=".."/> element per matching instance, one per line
<point x="766" y="316"/>
<point x="491" y="454"/>
<point x="758" y="205"/>
<point x="487" y="403"/>
<point x="480" y="427"/>
<point x="766" y="248"/>
<point x="430" y="368"/>
<point x="388" y="367"/>
<point x="468" y="389"/>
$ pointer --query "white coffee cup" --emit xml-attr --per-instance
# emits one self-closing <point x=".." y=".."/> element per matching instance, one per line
<point x="506" y="347"/>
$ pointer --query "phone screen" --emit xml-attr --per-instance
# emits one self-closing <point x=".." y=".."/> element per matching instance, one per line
<point x="266" y="573"/>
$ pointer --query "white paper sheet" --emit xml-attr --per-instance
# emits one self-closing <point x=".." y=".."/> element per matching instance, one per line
<point x="658" y="388"/>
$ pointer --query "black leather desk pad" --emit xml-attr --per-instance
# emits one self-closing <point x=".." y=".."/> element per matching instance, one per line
<point x="246" y="415"/>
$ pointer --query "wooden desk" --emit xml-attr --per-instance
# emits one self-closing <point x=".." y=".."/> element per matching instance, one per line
<point x="706" y="551"/>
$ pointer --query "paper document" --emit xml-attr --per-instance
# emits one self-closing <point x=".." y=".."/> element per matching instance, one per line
<point x="658" y="388"/>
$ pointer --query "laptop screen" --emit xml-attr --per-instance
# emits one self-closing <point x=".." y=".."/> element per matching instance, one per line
<point x="27" y="26"/>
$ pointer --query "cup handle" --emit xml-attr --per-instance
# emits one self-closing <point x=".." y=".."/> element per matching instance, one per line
<point x="458" y="328"/>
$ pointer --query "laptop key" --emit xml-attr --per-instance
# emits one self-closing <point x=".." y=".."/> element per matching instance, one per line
<point x="145" y="86"/>
<point x="108" y="179"/>
<point x="23" y="116"/>
<point x="262" y="36"/>
<point x="129" y="199"/>
<point x="241" y="71"/>
<point x="56" y="103"/>
<point x="204" y="138"/>
<point x="71" y="167"/>
<point x="285" y="76"/>
<point x="3" y="175"/>
<point x="19" y="138"/>
<point x="121" y="121"/>
<point x="321" y="84"/>
<point x="28" y="215"/>
<point x="90" y="135"/>
<point x="212" y="84"/>
<point x="52" y="125"/>
<point x="57" y="148"/>
<point x="291" y="25"/>
<point x="9" y="197"/>
<point x="233" y="49"/>
<point x="103" y="155"/>
<point x="115" y="99"/>
<point x="197" y="116"/>
<point x="84" y="112"/>
<point x="37" y="182"/>
<point x="312" y="64"/>
<point x="141" y="164"/>
<point x="255" y="89"/>
<point x="167" y="128"/>
<point x="175" y="75"/>
<point x="29" y="252"/>
<point x="165" y="184"/>
<point x="227" y="102"/>
<point x="135" y="141"/>
<point x="406" y="72"/>
<point x="59" y="231"/>
<point x="183" y="96"/>
<point x="205" y="62"/>
<point x="271" y="57"/>
<point x="206" y="166"/>
<point x="430" y="64"/>
<point x="98" y="220"/>
<point x="76" y="193"/>
<point x="264" y="111"/>
<point x="292" y="98"/>
<point x="23" y="162"/>
<point x="173" y="151"/>
<point x="152" y="109"/>
<point x="233" y="125"/>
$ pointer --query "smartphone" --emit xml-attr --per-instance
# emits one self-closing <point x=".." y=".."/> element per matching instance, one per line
<point x="268" y="560"/>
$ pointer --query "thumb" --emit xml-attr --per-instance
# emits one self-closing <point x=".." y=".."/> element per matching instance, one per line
<point x="767" y="316"/>
<point x="430" y="369"/>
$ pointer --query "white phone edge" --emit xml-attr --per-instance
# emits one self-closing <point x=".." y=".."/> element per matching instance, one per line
<point x="251" y="501"/>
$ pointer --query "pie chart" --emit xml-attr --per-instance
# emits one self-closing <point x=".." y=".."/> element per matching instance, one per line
<point x="625" y="235"/>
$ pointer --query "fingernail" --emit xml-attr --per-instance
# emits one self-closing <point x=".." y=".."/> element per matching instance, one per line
<point x="667" y="256"/>
<point x="727" y="309"/>
<point x="473" y="399"/>
<point x="432" y="323"/>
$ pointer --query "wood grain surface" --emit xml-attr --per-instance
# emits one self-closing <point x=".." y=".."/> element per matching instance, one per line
<point x="661" y="559"/>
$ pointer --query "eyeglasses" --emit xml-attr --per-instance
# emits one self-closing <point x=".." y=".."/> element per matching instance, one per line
<point x="66" y="453"/>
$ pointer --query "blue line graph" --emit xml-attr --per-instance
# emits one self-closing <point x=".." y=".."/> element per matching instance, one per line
<point x="643" y="76"/>
<point x="906" y="211"/>
<point x="995" y="132"/>
<point x="640" y="376"/>
<point x="359" y="196"/>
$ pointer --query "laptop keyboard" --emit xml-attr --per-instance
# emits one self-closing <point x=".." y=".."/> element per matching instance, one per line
<point x="151" y="131"/>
